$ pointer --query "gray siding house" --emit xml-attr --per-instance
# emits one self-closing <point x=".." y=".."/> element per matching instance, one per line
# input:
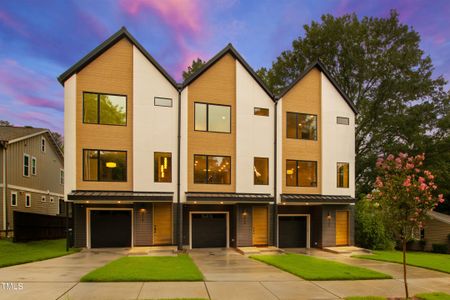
<point x="31" y="173"/>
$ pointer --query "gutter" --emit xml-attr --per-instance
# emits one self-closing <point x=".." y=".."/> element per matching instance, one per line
<point x="179" y="207"/>
<point x="4" y="145"/>
<point x="275" y="205"/>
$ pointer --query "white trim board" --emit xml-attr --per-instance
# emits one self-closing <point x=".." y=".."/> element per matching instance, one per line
<point x="25" y="189"/>
<point x="308" y="227"/>
<point x="227" y="214"/>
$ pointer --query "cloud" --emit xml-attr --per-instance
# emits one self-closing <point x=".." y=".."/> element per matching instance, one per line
<point x="12" y="23"/>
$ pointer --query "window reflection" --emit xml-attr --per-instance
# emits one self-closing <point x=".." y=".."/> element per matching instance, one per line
<point x="261" y="171"/>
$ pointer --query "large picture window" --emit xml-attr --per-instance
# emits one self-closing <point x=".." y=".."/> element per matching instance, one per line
<point x="301" y="126"/>
<point x="104" y="109"/>
<point x="163" y="167"/>
<point x="212" y="117"/>
<point x="301" y="173"/>
<point x="211" y="169"/>
<point x="101" y="165"/>
<point x="261" y="171"/>
<point x="342" y="175"/>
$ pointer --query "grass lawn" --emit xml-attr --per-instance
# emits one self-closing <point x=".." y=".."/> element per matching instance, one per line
<point x="312" y="268"/>
<point x="432" y="261"/>
<point x="147" y="268"/>
<point x="424" y="296"/>
<point x="20" y="253"/>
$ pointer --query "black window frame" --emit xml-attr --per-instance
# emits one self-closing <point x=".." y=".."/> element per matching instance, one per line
<point x="26" y="166"/>
<point x="261" y="109"/>
<point x="296" y="173"/>
<point x="154" y="166"/>
<point x="337" y="175"/>
<point x="297" y="135"/>
<point x="166" y="98"/>
<point x="207" y="117"/>
<point x="268" y="170"/>
<point x="98" y="165"/>
<point x="206" y="177"/>
<point x="98" y="108"/>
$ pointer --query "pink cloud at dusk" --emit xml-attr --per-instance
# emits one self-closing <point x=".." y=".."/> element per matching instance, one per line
<point x="12" y="23"/>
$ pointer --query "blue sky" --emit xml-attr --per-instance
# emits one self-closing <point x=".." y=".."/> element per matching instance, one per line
<point x="41" y="39"/>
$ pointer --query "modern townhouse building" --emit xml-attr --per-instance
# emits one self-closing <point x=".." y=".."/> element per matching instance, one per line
<point x="32" y="173"/>
<point x="216" y="161"/>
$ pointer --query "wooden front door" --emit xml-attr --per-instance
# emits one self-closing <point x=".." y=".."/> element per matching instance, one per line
<point x="341" y="228"/>
<point x="260" y="226"/>
<point x="162" y="224"/>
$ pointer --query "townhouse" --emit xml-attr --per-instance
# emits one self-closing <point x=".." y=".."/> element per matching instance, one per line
<point x="216" y="161"/>
<point x="32" y="173"/>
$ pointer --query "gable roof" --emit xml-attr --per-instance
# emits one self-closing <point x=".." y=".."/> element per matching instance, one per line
<point x="111" y="41"/>
<point x="231" y="50"/>
<point x="318" y="64"/>
<point x="439" y="216"/>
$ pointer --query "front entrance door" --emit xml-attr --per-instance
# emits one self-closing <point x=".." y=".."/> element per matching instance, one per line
<point x="341" y="228"/>
<point x="162" y="224"/>
<point x="260" y="226"/>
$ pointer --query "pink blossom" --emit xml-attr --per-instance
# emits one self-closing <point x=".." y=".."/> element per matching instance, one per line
<point x="380" y="161"/>
<point x="423" y="187"/>
<point x="417" y="170"/>
<point x="441" y="198"/>
<point x="407" y="182"/>
<point x="421" y="179"/>
<point x="378" y="182"/>
<point x="390" y="157"/>
<point x="410" y="166"/>
<point x="403" y="155"/>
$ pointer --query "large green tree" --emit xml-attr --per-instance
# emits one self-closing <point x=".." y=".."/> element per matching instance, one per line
<point x="379" y="64"/>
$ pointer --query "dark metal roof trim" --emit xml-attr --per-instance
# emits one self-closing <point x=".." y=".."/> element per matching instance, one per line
<point x="208" y="196"/>
<point x="119" y="195"/>
<point x="318" y="64"/>
<point x="229" y="49"/>
<point x="317" y="198"/>
<point x="112" y="40"/>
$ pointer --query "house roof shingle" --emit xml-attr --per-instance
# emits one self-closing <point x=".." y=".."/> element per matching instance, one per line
<point x="10" y="133"/>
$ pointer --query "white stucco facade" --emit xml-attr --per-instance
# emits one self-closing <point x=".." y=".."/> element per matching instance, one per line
<point x="183" y="144"/>
<point x="254" y="134"/>
<point x="70" y="110"/>
<point x="338" y="141"/>
<point x="154" y="127"/>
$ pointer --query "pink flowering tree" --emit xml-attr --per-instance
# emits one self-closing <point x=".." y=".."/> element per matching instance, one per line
<point x="405" y="194"/>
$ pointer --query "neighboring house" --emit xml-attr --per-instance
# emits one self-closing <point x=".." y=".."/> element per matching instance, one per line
<point x="32" y="179"/>
<point x="436" y="230"/>
<point x="217" y="161"/>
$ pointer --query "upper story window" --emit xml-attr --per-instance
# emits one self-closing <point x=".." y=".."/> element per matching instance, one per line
<point x="212" y="117"/>
<point x="160" y="101"/>
<point x="342" y="174"/>
<point x="259" y="111"/>
<point x="43" y="146"/>
<point x="33" y="165"/>
<point x="212" y="169"/>
<point x="301" y="126"/>
<point x="102" y="165"/>
<point x="261" y="171"/>
<point x="301" y="173"/>
<point x="13" y="198"/>
<point x="163" y="167"/>
<point x="343" y="120"/>
<point x="26" y="165"/>
<point x="104" y="109"/>
<point x="61" y="176"/>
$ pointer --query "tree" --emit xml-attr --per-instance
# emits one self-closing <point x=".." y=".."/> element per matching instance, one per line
<point x="380" y="66"/>
<point x="196" y="64"/>
<point x="4" y="123"/>
<point x="405" y="194"/>
<point x="59" y="139"/>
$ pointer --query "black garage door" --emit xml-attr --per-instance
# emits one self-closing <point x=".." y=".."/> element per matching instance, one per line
<point x="209" y="230"/>
<point x="292" y="232"/>
<point x="110" y="228"/>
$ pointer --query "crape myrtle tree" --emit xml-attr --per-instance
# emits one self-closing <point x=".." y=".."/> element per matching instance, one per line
<point x="405" y="193"/>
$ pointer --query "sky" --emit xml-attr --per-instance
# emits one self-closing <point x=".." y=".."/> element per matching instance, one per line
<point x="41" y="39"/>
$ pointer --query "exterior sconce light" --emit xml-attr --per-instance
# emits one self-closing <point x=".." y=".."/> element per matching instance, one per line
<point x="329" y="219"/>
<point x="244" y="216"/>
<point x="142" y="213"/>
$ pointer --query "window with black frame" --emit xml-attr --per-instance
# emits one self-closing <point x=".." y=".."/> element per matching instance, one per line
<point x="104" y="165"/>
<point x="261" y="171"/>
<point x="212" y="117"/>
<point x="211" y="169"/>
<point x="104" y="109"/>
<point x="342" y="175"/>
<point x="301" y="173"/>
<point x="301" y="126"/>
<point x="163" y="167"/>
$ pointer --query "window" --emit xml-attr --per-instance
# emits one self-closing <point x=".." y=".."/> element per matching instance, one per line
<point x="342" y="175"/>
<point x="301" y="126"/>
<point x="259" y="111"/>
<point x="101" y="165"/>
<point x="343" y="120"/>
<point x="42" y="144"/>
<point x="26" y="165"/>
<point x="62" y="207"/>
<point x="261" y="171"/>
<point x="33" y="166"/>
<point x="301" y="173"/>
<point x="163" y="167"/>
<point x="160" y="101"/>
<point x="211" y="117"/>
<point x="212" y="169"/>
<point x="27" y="200"/>
<point x="61" y="176"/>
<point x="43" y="199"/>
<point x="52" y="199"/>
<point x="104" y="109"/>
<point x="13" y="198"/>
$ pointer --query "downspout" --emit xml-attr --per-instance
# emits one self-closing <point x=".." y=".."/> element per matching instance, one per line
<point x="179" y="207"/>
<point x="275" y="205"/>
<point x="5" y="188"/>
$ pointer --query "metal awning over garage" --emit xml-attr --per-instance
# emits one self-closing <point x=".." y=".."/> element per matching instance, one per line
<point x="120" y="196"/>
<point x="228" y="197"/>
<point x="319" y="199"/>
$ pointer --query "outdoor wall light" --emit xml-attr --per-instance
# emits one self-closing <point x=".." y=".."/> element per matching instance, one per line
<point x="244" y="216"/>
<point x="329" y="217"/>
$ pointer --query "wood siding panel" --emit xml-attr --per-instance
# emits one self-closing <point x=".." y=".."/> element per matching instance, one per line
<point x="162" y="224"/>
<point x="111" y="72"/>
<point x="342" y="221"/>
<point x="260" y="228"/>
<point x="305" y="97"/>
<point x="436" y="232"/>
<point x="143" y="233"/>
<point x="217" y="86"/>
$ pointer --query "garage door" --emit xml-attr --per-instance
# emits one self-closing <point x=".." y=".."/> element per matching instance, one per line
<point x="110" y="228"/>
<point x="292" y="232"/>
<point x="209" y="230"/>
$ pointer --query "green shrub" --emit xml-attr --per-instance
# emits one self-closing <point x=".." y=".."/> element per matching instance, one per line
<point x="439" y="248"/>
<point x="370" y="231"/>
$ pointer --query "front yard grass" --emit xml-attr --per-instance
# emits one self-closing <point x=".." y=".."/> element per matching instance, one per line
<point x="20" y="253"/>
<point x="147" y="268"/>
<point x="432" y="261"/>
<point x="312" y="268"/>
